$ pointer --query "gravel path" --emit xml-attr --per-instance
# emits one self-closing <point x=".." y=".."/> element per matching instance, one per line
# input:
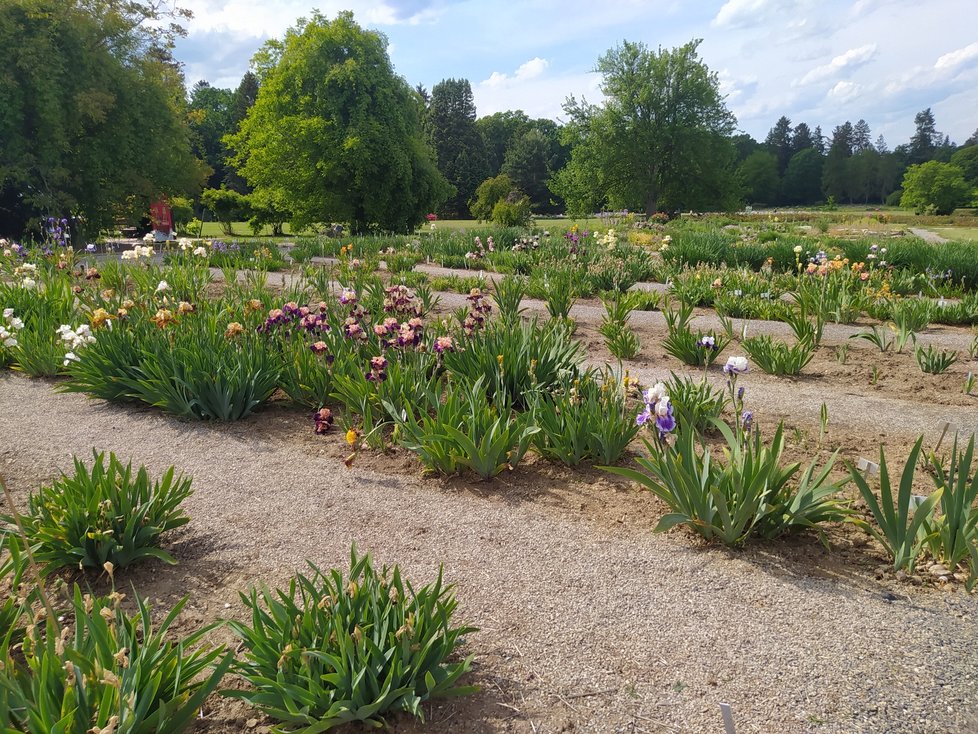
<point x="586" y="625"/>
<point x="927" y="236"/>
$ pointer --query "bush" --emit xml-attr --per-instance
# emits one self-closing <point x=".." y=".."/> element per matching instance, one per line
<point x="227" y="205"/>
<point x="697" y="403"/>
<point x="104" y="514"/>
<point x="749" y="495"/>
<point x="584" y="420"/>
<point x="900" y="519"/>
<point x="778" y="358"/>
<point x="182" y="211"/>
<point x="465" y="430"/>
<point x="953" y="536"/>
<point x="516" y="361"/>
<point x="330" y="650"/>
<point x="194" y="365"/>
<point x="114" y="671"/>
<point x="692" y="348"/>
<point x="489" y="193"/>
<point x="513" y="211"/>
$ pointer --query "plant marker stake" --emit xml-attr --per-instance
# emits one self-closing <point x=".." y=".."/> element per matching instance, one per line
<point x="868" y="467"/>
<point x="728" y="723"/>
<point x="944" y="430"/>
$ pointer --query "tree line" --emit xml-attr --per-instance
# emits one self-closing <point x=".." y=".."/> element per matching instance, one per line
<point x="799" y="166"/>
<point x="96" y="122"/>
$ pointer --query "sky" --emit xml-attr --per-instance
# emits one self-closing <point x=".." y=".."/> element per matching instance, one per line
<point x="816" y="61"/>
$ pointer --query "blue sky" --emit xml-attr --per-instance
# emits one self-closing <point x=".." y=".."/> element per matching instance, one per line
<point x="818" y="61"/>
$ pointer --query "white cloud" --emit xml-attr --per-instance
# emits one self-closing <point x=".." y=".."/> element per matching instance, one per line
<point x="495" y="79"/>
<point x="843" y="92"/>
<point x="956" y="58"/>
<point x="528" y="70"/>
<point x="538" y="96"/>
<point x="736" y="89"/>
<point x="532" y="68"/>
<point x="273" y="18"/>
<point x="851" y="59"/>
<point x="748" y="13"/>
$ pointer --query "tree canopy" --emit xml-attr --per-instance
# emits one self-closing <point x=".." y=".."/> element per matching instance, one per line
<point x="662" y="138"/>
<point x="459" y="148"/>
<point x="335" y="134"/>
<point x="92" y="112"/>
<point x="935" y="186"/>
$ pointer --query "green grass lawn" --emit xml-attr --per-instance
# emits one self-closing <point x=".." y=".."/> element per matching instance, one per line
<point x="958" y="234"/>
<point x="212" y="230"/>
<point x="553" y="224"/>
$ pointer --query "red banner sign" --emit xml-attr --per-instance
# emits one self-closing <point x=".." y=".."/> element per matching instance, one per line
<point x="159" y="213"/>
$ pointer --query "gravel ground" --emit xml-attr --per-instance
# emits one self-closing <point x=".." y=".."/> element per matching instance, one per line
<point x="927" y="236"/>
<point x="587" y="624"/>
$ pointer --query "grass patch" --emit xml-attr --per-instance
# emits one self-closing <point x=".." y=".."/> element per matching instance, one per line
<point x="957" y="234"/>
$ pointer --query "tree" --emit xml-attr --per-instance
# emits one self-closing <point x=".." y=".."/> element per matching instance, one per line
<point x="489" y="193"/>
<point x="934" y="185"/>
<point x="861" y="137"/>
<point x="336" y="133"/>
<point x="803" y="180"/>
<point x="863" y="175"/>
<point x="924" y="141"/>
<point x="778" y="141"/>
<point x="744" y="145"/>
<point x="498" y="131"/>
<point x="244" y="97"/>
<point x="759" y="177"/>
<point x="801" y="138"/>
<point x="210" y="120"/>
<point x="972" y="139"/>
<point x="512" y="211"/>
<point x="889" y="172"/>
<point x="241" y="101"/>
<point x="835" y="173"/>
<point x="459" y="148"/>
<point x="818" y="140"/>
<point x="227" y="205"/>
<point x="662" y="137"/>
<point x="268" y="209"/>
<point x="92" y="113"/>
<point x="967" y="160"/>
<point x="528" y="165"/>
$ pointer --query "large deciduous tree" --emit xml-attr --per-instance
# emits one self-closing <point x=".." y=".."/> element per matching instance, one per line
<point x="210" y="121"/>
<point x="934" y="185"/>
<point x="803" y="179"/>
<point x="660" y="140"/>
<point x="335" y="134"/>
<point x="498" y="131"/>
<point x="459" y="148"/>
<point x="966" y="159"/>
<point x="759" y="177"/>
<point x="92" y="112"/>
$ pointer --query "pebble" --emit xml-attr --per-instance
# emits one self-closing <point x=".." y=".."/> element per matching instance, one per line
<point x="251" y="723"/>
